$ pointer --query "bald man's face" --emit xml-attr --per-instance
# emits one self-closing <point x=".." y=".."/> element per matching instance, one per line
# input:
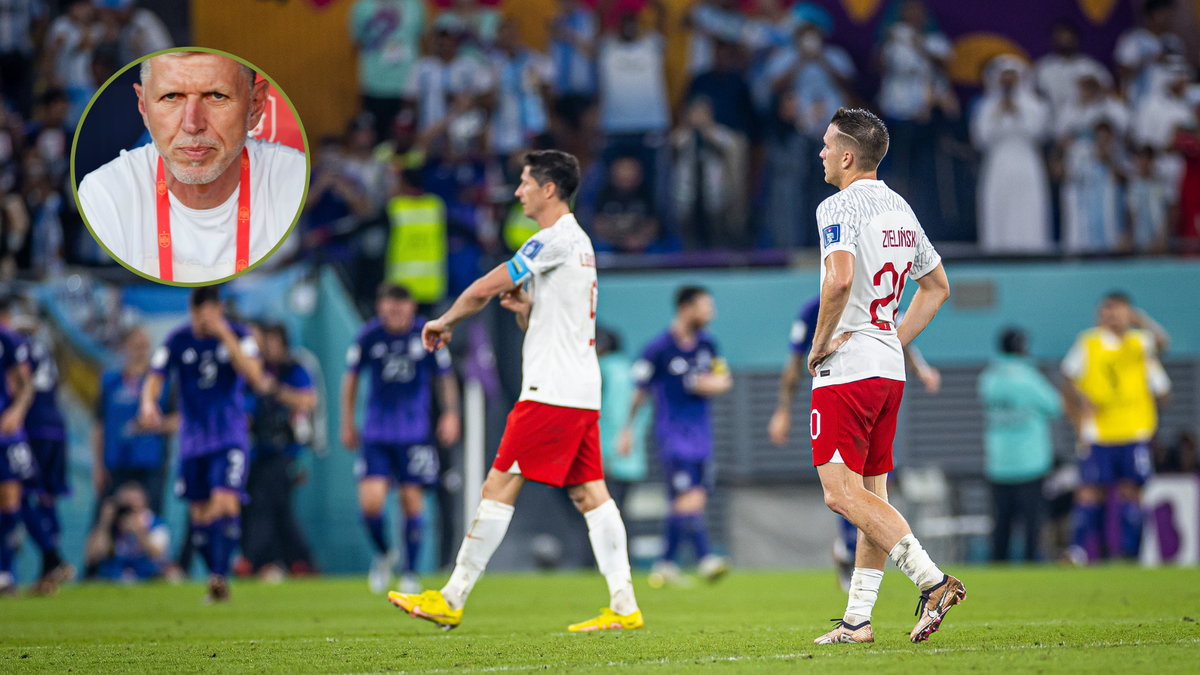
<point x="199" y="108"/>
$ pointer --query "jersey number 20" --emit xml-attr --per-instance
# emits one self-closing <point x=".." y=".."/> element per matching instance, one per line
<point x="896" y="283"/>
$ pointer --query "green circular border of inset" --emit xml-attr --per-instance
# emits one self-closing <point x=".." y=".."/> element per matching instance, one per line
<point x="299" y="207"/>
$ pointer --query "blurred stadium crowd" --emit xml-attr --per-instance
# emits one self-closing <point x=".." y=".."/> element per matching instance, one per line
<point x="1059" y="156"/>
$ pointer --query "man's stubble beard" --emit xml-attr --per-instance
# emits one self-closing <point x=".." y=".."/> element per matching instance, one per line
<point x="192" y="173"/>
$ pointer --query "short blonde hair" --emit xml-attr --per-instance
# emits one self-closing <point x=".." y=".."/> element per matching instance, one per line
<point x="144" y="69"/>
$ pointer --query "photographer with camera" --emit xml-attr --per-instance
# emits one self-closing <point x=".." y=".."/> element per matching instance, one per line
<point x="129" y="542"/>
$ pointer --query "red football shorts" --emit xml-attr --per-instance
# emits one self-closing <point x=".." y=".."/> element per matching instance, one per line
<point x="551" y="444"/>
<point x="856" y="422"/>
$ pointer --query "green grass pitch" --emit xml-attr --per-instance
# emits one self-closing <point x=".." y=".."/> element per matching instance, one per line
<point x="1110" y="619"/>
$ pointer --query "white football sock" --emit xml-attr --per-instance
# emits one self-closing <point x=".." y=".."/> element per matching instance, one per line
<point x="611" y="548"/>
<point x="912" y="559"/>
<point x="486" y="533"/>
<point x="864" y="590"/>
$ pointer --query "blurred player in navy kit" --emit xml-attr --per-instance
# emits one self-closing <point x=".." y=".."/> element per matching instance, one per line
<point x="16" y="461"/>
<point x="46" y="435"/>
<point x="780" y="426"/>
<point x="213" y="359"/>
<point x="683" y="370"/>
<point x="397" y="438"/>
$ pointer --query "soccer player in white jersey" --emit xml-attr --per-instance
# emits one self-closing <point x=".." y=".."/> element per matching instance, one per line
<point x="552" y="435"/>
<point x="871" y="243"/>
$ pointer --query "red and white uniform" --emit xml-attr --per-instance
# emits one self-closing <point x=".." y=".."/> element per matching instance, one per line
<point x="857" y="389"/>
<point x="552" y="435"/>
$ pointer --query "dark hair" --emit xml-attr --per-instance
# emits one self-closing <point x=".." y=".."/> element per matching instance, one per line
<point x="607" y="341"/>
<point x="1118" y="296"/>
<point x="554" y="166"/>
<point x="688" y="294"/>
<point x="1013" y="341"/>
<point x="204" y="294"/>
<point x="54" y="95"/>
<point x="867" y="134"/>
<point x="413" y="177"/>
<point x="392" y="291"/>
<point x="7" y="302"/>
<point x="278" y="330"/>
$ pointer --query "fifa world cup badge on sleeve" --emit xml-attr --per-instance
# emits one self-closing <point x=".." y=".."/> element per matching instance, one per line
<point x="831" y="235"/>
<point x="531" y="248"/>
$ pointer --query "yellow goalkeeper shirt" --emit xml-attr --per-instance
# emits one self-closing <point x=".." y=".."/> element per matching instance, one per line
<point x="1120" y="375"/>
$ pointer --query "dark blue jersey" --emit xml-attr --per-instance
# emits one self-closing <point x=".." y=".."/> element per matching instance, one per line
<point x="125" y="444"/>
<point x="44" y="422"/>
<point x="211" y="392"/>
<point x="14" y="352"/>
<point x="401" y="374"/>
<point x="682" y="422"/>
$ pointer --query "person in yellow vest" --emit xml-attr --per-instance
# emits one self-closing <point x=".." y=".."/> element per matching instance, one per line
<point x="416" y="255"/>
<point x="1114" y="384"/>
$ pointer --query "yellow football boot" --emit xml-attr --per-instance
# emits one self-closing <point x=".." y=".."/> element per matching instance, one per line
<point x="430" y="606"/>
<point x="609" y="620"/>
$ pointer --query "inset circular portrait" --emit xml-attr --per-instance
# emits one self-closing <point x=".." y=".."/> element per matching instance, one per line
<point x="189" y="166"/>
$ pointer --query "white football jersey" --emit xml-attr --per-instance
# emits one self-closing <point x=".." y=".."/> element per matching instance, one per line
<point x="879" y="228"/>
<point x="559" y="355"/>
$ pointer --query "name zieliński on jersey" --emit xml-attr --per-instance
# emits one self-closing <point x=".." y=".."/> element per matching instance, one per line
<point x="899" y="238"/>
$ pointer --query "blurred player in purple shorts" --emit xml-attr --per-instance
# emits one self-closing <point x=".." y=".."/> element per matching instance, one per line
<point x="16" y="461"/>
<point x="212" y="358"/>
<point x="398" y="439"/>
<point x="682" y="369"/>
<point x="46" y="435"/>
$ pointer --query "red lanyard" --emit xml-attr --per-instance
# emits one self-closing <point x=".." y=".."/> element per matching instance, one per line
<point x="165" y="260"/>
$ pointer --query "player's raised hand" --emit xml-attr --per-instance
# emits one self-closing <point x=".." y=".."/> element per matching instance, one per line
<point x="219" y="327"/>
<point x="436" y="334"/>
<point x="780" y="426"/>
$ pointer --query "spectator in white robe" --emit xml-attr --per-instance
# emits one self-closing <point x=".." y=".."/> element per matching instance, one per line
<point x="1008" y="127"/>
<point x="1057" y="74"/>
<point x="1142" y="50"/>
<point x="1096" y="101"/>
<point x="1159" y="115"/>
